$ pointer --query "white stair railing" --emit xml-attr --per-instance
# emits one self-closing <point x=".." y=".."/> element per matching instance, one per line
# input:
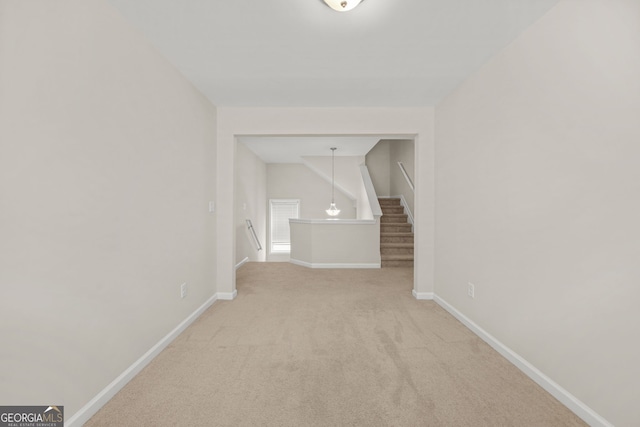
<point x="371" y="192"/>
<point x="406" y="176"/>
<point x="255" y="236"/>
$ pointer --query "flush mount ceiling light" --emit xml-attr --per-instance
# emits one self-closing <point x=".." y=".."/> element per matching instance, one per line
<point x="342" y="5"/>
<point x="333" y="210"/>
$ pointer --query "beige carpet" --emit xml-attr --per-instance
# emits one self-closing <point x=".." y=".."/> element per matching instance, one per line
<point x="303" y="347"/>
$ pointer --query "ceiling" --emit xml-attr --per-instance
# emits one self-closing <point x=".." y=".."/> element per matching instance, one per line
<point x="301" y="53"/>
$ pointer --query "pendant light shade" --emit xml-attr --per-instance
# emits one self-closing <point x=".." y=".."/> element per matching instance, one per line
<point x="342" y="5"/>
<point x="333" y="210"/>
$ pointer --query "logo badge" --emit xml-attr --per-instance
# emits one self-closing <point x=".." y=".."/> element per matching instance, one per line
<point x="32" y="416"/>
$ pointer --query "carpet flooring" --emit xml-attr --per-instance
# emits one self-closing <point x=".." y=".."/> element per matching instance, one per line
<point x="310" y="347"/>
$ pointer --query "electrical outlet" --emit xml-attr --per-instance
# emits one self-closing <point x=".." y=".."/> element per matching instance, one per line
<point x="183" y="290"/>
<point x="471" y="290"/>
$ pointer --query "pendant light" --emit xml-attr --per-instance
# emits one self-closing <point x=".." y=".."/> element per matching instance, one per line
<point x="333" y="210"/>
<point x="342" y="5"/>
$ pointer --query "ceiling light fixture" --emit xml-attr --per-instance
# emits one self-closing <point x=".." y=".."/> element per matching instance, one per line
<point x="342" y="5"/>
<point x="333" y="210"/>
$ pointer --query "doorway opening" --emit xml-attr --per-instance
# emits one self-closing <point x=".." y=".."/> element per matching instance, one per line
<point x="291" y="167"/>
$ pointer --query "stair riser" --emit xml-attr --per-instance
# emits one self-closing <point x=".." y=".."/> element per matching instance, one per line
<point x="395" y="228"/>
<point x="389" y="202"/>
<point x="406" y="264"/>
<point x="387" y="219"/>
<point x="386" y="210"/>
<point x="396" y="251"/>
<point x="396" y="239"/>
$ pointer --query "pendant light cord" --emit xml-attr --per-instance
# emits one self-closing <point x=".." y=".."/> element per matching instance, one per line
<point x="333" y="210"/>
<point x="333" y="171"/>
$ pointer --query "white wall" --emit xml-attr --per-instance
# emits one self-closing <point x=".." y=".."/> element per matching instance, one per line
<point x="348" y="179"/>
<point x="382" y="161"/>
<point x="378" y="163"/>
<point x="538" y="200"/>
<point x="297" y="181"/>
<point x="335" y="244"/>
<point x="107" y="161"/>
<point x="407" y="122"/>
<point x="251" y="203"/>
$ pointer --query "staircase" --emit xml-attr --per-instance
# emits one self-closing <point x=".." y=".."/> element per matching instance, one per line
<point x="396" y="237"/>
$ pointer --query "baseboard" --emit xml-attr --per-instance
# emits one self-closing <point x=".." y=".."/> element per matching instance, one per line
<point x="227" y="296"/>
<point x="94" y="405"/>
<point x="566" y="398"/>
<point x="422" y="295"/>
<point x="241" y="263"/>
<point x="333" y="265"/>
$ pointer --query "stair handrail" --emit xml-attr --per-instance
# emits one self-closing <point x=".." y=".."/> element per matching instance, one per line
<point x="406" y="176"/>
<point x="255" y="236"/>
<point x="376" y="211"/>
